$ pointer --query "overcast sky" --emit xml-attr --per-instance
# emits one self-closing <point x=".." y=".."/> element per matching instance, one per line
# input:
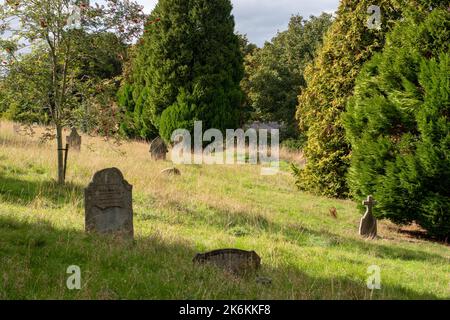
<point x="262" y="19"/>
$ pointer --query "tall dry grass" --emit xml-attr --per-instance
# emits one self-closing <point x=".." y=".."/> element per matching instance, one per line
<point x="307" y="253"/>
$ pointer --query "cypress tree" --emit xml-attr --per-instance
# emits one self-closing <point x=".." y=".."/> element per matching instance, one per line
<point x="398" y="123"/>
<point x="188" y="67"/>
<point x="330" y="82"/>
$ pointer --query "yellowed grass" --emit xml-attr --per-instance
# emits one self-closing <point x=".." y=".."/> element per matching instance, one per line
<point x="308" y="253"/>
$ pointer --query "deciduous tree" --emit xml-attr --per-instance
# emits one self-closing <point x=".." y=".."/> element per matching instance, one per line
<point x="56" y="25"/>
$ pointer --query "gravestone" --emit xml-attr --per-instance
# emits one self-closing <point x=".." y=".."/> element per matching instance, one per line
<point x="264" y="281"/>
<point x="158" y="149"/>
<point x="74" y="140"/>
<point x="171" y="172"/>
<point x="108" y="204"/>
<point x="368" y="225"/>
<point x="234" y="260"/>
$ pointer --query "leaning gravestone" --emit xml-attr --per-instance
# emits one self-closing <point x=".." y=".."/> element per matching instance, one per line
<point x="74" y="140"/>
<point x="108" y="204"/>
<point x="158" y="149"/>
<point x="234" y="260"/>
<point x="368" y="225"/>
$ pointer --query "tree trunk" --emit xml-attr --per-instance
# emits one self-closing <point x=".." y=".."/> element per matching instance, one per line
<point x="59" y="139"/>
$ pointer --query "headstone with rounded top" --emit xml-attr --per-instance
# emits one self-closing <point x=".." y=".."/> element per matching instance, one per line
<point x="108" y="204"/>
<point x="158" y="149"/>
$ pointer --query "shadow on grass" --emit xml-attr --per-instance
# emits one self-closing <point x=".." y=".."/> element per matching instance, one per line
<point x="35" y="257"/>
<point x="249" y="224"/>
<point x="364" y="246"/>
<point x="23" y="192"/>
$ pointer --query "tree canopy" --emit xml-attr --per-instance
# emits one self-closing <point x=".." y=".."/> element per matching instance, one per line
<point x="55" y="27"/>
<point x="275" y="73"/>
<point x="330" y="81"/>
<point x="188" y="67"/>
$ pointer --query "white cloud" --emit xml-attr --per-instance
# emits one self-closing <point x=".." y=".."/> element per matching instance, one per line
<point x="262" y="19"/>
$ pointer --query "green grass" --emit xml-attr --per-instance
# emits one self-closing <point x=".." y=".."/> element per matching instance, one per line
<point x="306" y="253"/>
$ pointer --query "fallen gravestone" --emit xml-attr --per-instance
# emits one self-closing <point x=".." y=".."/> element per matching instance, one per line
<point x="264" y="281"/>
<point x="158" y="149"/>
<point x="108" y="204"/>
<point x="171" y="172"/>
<point x="233" y="260"/>
<point x="74" y="140"/>
<point x="368" y="225"/>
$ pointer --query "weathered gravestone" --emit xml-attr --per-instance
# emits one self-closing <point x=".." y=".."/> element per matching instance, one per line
<point x="234" y="260"/>
<point x="74" y="140"/>
<point x="158" y="149"/>
<point x="368" y="225"/>
<point x="108" y="204"/>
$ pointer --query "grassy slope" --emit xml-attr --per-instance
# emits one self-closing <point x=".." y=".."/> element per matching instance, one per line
<point x="306" y="253"/>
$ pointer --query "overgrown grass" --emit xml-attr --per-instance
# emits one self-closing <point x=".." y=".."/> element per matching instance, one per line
<point x="307" y="253"/>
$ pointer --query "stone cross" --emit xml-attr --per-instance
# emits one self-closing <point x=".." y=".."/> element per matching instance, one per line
<point x="74" y="140"/>
<point x="368" y="225"/>
<point x="108" y="204"/>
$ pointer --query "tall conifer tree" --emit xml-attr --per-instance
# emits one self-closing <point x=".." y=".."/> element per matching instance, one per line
<point x="188" y="67"/>
<point x="398" y="123"/>
<point x="330" y="82"/>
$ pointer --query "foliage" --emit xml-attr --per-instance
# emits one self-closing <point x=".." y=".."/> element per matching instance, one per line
<point x="330" y="81"/>
<point x="24" y="89"/>
<point x="275" y="72"/>
<point x="398" y="123"/>
<point x="56" y="26"/>
<point x="98" y="58"/>
<point x="189" y="50"/>
<point x="248" y="49"/>
<point x="293" y="144"/>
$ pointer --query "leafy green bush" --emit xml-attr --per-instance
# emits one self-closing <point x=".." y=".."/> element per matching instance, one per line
<point x="274" y="73"/>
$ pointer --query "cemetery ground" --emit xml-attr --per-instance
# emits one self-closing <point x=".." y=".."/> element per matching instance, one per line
<point x="305" y="252"/>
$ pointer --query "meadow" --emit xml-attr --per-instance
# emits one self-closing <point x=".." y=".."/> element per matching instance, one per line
<point x="305" y="252"/>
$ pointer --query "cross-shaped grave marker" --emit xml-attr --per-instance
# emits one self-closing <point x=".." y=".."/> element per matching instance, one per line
<point x="368" y="225"/>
